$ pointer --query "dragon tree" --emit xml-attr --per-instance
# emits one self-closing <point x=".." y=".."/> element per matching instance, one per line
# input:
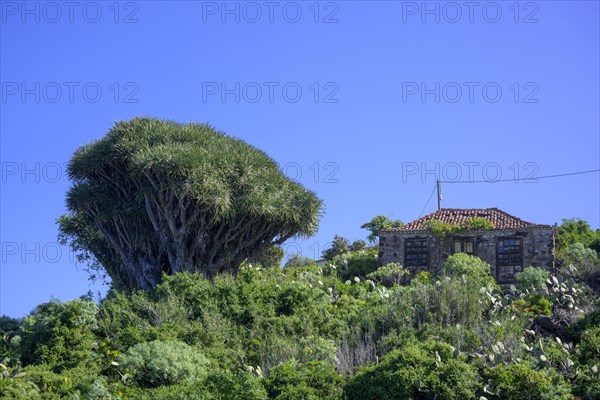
<point x="154" y="197"/>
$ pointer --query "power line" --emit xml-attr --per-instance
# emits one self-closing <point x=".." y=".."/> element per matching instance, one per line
<point x="526" y="179"/>
<point x="507" y="180"/>
<point x="428" y="200"/>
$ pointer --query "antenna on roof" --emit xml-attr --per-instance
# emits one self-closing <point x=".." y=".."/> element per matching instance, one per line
<point x="439" y="193"/>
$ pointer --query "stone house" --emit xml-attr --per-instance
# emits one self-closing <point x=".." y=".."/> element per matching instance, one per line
<point x="509" y="246"/>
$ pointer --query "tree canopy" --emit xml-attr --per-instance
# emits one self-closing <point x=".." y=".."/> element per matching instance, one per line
<point x="154" y="197"/>
<point x="379" y="223"/>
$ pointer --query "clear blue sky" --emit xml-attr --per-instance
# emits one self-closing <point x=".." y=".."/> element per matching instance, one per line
<point x="353" y="98"/>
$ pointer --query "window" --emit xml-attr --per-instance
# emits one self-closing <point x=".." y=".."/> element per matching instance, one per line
<point x="463" y="245"/>
<point x="416" y="252"/>
<point x="509" y="252"/>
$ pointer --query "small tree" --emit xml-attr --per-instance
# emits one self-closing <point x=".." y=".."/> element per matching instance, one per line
<point x="340" y="245"/>
<point x="358" y="245"/>
<point x="377" y="224"/>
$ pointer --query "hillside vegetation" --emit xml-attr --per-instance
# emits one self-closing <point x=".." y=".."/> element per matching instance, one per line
<point x="344" y="330"/>
<point x="187" y="222"/>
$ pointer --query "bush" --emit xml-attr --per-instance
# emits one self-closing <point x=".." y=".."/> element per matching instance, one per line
<point x="389" y="275"/>
<point x="574" y="230"/>
<point x="533" y="305"/>
<point x="589" y="346"/>
<point x="585" y="261"/>
<point x="423" y="277"/>
<point x="532" y="277"/>
<point x="59" y="334"/>
<point x="233" y="385"/>
<point x="312" y="381"/>
<point x="160" y="363"/>
<point x="423" y="370"/>
<point x="522" y="382"/>
<point x="352" y="265"/>
<point x="18" y="389"/>
<point x="473" y="268"/>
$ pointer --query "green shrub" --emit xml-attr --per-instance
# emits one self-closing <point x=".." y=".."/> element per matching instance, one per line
<point x="357" y="264"/>
<point x="473" y="268"/>
<point x="18" y="389"/>
<point x="218" y="385"/>
<point x="575" y="230"/>
<point x="533" y="305"/>
<point x="312" y="381"/>
<point x="423" y="277"/>
<point x="389" y="275"/>
<point x="589" y="346"/>
<point x="522" y="382"/>
<point x="59" y="334"/>
<point x="99" y="390"/>
<point x="424" y="370"/>
<point x="160" y="363"/>
<point x="585" y="261"/>
<point x="532" y="277"/>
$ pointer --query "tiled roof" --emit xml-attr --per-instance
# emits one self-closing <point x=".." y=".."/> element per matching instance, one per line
<point x="500" y="219"/>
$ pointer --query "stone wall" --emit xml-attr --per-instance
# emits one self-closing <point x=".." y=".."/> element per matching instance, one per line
<point x="537" y="249"/>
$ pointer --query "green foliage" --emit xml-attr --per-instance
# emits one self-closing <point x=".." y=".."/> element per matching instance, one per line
<point x="218" y="385"/>
<point x="139" y="190"/>
<point x="358" y="245"/>
<point x="533" y="305"/>
<point x="233" y="385"/>
<point x="475" y="223"/>
<point x="159" y="363"/>
<point x="522" y="382"/>
<point x="377" y="224"/>
<point x="357" y="264"/>
<point x="442" y="229"/>
<point x="532" y="278"/>
<point x="269" y="258"/>
<point x="18" y="389"/>
<point x="575" y="230"/>
<point x="59" y="334"/>
<point x="389" y="275"/>
<point x="296" y="260"/>
<point x="10" y="340"/>
<point x="423" y="370"/>
<point x="310" y="381"/>
<point x="583" y="259"/>
<point x="423" y="277"/>
<point x="313" y="332"/>
<point x="473" y="268"/>
<point x="589" y="345"/>
<point x="65" y="384"/>
<point x="340" y="245"/>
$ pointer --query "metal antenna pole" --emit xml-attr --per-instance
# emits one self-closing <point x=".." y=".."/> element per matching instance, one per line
<point x="439" y="195"/>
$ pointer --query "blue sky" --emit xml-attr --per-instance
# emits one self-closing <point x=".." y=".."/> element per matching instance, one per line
<point x="363" y="102"/>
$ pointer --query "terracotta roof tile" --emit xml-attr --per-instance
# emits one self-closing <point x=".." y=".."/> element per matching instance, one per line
<point x="500" y="219"/>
